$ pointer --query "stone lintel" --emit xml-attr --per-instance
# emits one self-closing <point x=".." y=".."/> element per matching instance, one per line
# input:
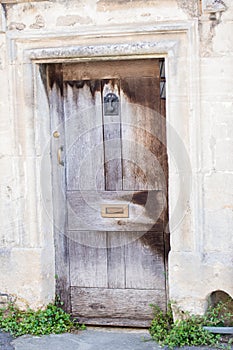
<point x="141" y="48"/>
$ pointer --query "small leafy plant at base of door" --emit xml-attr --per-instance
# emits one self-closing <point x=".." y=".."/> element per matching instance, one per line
<point x="188" y="330"/>
<point x="52" y="320"/>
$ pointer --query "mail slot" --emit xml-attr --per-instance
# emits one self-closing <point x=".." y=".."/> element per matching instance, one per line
<point x="114" y="211"/>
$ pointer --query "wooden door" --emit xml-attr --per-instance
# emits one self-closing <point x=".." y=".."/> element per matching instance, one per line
<point x="116" y="190"/>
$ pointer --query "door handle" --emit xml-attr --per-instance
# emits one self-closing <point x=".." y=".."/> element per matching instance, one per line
<point x="59" y="152"/>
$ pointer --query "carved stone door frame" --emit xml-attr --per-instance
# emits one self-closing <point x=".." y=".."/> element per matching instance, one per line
<point x="177" y="44"/>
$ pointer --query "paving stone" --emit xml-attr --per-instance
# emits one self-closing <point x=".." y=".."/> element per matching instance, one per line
<point x="92" y="340"/>
<point x="5" y="341"/>
<point x="87" y="340"/>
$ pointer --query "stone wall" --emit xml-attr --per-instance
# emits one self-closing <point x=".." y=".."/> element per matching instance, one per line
<point x="199" y="56"/>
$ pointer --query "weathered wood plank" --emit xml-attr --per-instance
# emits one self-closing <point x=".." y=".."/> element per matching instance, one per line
<point x="143" y="91"/>
<point x="164" y="165"/>
<point x="144" y="262"/>
<point x="163" y="156"/>
<point x="55" y="96"/>
<point x="111" y="69"/>
<point x="145" y="210"/>
<point x="88" y="259"/>
<point x="141" y="134"/>
<point x="84" y="141"/>
<point x="115" y="303"/>
<point x="112" y="137"/>
<point x="116" y="259"/>
<point x="119" y="322"/>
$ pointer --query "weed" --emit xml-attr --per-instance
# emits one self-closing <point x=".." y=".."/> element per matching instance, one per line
<point x="189" y="330"/>
<point x="51" y="320"/>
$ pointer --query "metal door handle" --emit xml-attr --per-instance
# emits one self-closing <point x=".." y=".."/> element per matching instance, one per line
<point x="59" y="151"/>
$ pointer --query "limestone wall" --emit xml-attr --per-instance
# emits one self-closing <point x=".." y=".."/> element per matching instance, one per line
<point x="199" y="105"/>
<point x="210" y="267"/>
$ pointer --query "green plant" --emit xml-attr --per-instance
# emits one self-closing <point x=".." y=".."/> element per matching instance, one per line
<point x="161" y="323"/>
<point x="219" y="315"/>
<point x="189" y="329"/>
<point x="51" y="320"/>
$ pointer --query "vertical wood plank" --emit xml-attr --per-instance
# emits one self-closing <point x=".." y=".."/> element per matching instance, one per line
<point x="84" y="141"/>
<point x="144" y="260"/>
<point x="141" y="133"/>
<point x="55" y="96"/>
<point x="164" y="162"/>
<point x="112" y="137"/>
<point x="88" y="259"/>
<point x="116" y="259"/>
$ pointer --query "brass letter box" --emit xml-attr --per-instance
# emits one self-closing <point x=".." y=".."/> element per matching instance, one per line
<point x="115" y="210"/>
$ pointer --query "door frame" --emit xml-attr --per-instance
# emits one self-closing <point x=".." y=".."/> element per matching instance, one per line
<point x="61" y="254"/>
<point x="174" y="43"/>
<point x="53" y="77"/>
